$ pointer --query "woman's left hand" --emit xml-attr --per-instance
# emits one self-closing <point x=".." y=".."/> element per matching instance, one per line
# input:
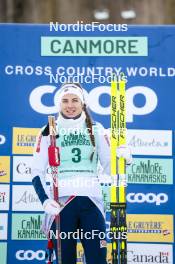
<point x="125" y="152"/>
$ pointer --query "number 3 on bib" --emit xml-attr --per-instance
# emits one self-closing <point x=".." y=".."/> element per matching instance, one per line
<point x="77" y="155"/>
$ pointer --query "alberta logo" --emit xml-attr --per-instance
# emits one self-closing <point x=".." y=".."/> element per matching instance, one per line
<point x="24" y="140"/>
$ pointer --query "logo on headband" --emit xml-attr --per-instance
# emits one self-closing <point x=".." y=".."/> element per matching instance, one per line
<point x="72" y="89"/>
<point x="66" y="89"/>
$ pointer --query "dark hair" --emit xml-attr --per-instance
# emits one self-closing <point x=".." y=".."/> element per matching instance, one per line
<point x="89" y="124"/>
<point x="88" y="121"/>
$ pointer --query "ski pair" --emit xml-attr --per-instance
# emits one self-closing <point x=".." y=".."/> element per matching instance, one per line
<point x="118" y="172"/>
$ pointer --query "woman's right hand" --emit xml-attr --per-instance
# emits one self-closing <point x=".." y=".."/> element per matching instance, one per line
<point x="51" y="207"/>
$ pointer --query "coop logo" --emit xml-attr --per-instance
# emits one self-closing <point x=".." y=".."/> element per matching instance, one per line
<point x="31" y="255"/>
<point x="2" y="140"/>
<point x="158" y="199"/>
<point x="93" y="97"/>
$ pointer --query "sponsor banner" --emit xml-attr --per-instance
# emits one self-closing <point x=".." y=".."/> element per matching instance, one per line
<point x="3" y="253"/>
<point x="25" y="199"/>
<point x="150" y="228"/>
<point x="144" y="199"/>
<point x="22" y="169"/>
<point x="150" y="171"/>
<point x="150" y="199"/>
<point x="31" y="255"/>
<point x="149" y="253"/>
<point x="27" y="227"/>
<point x="138" y="253"/>
<point x="150" y="142"/>
<point x="3" y="226"/>
<point x="24" y="140"/>
<point x="144" y="108"/>
<point x="93" y="96"/>
<point x="4" y="196"/>
<point x="27" y="252"/>
<point x="94" y="46"/>
<point x="4" y="169"/>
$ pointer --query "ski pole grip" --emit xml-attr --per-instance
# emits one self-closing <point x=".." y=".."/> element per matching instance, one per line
<point x="54" y="156"/>
<point x="52" y="129"/>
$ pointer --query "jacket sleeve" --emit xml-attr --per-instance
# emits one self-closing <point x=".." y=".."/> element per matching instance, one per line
<point x="103" y="149"/>
<point x="39" y="166"/>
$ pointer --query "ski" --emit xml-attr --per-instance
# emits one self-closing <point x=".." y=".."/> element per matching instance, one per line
<point x="118" y="172"/>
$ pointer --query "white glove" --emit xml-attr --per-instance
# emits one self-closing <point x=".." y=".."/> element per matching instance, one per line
<point x="51" y="207"/>
<point x="125" y="152"/>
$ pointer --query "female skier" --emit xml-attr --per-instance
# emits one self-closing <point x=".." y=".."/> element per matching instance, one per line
<point x="82" y="144"/>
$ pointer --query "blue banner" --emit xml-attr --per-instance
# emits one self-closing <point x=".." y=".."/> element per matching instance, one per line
<point x="32" y="72"/>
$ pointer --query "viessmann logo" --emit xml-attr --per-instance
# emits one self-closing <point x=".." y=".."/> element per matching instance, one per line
<point x="151" y="198"/>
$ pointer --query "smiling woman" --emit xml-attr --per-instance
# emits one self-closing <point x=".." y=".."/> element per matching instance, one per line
<point x="71" y="105"/>
<point x="83" y="144"/>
